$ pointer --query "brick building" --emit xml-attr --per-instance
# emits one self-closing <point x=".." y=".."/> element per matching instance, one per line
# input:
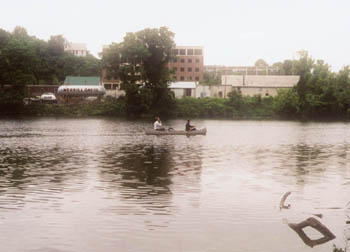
<point x="188" y="63"/>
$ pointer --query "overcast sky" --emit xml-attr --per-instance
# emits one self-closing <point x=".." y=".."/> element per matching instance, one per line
<point x="231" y="32"/>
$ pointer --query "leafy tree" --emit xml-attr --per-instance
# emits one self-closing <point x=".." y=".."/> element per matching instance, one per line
<point x="236" y="101"/>
<point x="288" y="67"/>
<point x="211" y="78"/>
<point x="286" y="103"/>
<point x="303" y="68"/>
<point x="261" y="63"/>
<point x="26" y="60"/>
<point x="140" y="63"/>
<point x="56" y="45"/>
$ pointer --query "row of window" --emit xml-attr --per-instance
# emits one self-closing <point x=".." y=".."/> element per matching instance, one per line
<point x="111" y="86"/>
<point x="77" y="51"/>
<point x="189" y="69"/>
<point x="188" y="60"/>
<point x="190" y="78"/>
<point x="187" y="51"/>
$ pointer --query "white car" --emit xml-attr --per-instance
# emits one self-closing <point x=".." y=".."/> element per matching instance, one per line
<point x="48" y="97"/>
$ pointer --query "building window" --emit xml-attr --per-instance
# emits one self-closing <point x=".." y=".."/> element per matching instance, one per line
<point x="197" y="60"/>
<point x="182" y="78"/>
<point x="197" y="78"/>
<point x="189" y="51"/>
<point x="190" y="78"/>
<point x="175" y="52"/>
<point x="182" y="51"/>
<point x="182" y="60"/>
<point x="174" y="60"/>
<point x="198" y="52"/>
<point x="182" y="69"/>
<point x="189" y="60"/>
<point x="175" y="69"/>
<point x="267" y="94"/>
<point x="189" y="69"/>
<point x="108" y="86"/>
<point x="197" y="69"/>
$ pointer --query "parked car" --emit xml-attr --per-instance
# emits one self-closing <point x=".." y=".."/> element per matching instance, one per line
<point x="48" y="98"/>
<point x="31" y="100"/>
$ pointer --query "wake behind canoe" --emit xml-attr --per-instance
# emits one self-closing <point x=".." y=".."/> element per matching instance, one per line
<point x="177" y="132"/>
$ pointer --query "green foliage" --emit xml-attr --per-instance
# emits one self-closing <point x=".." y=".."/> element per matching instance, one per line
<point x="11" y="100"/>
<point x="236" y="106"/>
<point x="207" y="107"/>
<point x="286" y="103"/>
<point x="109" y="107"/>
<point x="27" y="60"/>
<point x="140" y="63"/>
<point x="335" y="249"/>
<point x="319" y="93"/>
<point x="261" y="63"/>
<point x="211" y="78"/>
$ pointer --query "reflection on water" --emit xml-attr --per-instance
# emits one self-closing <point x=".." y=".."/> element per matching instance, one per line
<point x="141" y="174"/>
<point x="317" y="225"/>
<point x="102" y="185"/>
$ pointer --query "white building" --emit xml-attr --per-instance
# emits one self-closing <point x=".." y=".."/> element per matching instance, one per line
<point x="264" y="85"/>
<point x="78" y="49"/>
<point x="183" y="89"/>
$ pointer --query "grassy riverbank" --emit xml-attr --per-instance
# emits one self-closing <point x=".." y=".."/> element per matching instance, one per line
<point x="247" y="107"/>
<point x="283" y="106"/>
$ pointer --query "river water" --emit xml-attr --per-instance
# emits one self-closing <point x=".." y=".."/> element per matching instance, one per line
<point x="87" y="185"/>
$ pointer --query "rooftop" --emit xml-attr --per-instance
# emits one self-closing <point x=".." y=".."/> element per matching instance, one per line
<point x="76" y="46"/>
<point x="82" y="80"/>
<point x="182" y="84"/>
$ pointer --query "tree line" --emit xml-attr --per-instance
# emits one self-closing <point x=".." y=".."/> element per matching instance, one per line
<point x="140" y="62"/>
<point x="27" y="60"/>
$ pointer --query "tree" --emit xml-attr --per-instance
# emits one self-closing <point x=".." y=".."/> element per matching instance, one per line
<point x="140" y="62"/>
<point x="56" y="45"/>
<point x="211" y="78"/>
<point x="303" y="68"/>
<point x="261" y="63"/>
<point x="286" y="103"/>
<point x="288" y="67"/>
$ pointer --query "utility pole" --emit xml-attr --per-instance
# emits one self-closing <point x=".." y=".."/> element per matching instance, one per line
<point x="225" y="72"/>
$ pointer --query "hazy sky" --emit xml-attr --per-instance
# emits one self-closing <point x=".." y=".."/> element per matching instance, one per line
<point x="232" y="32"/>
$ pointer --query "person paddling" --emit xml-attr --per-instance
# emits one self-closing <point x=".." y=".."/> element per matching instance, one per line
<point x="190" y="127"/>
<point x="158" y="125"/>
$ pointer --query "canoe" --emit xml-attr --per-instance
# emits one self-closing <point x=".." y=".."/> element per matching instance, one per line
<point x="177" y="132"/>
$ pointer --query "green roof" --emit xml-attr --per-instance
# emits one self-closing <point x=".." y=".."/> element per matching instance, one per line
<point x="82" y="80"/>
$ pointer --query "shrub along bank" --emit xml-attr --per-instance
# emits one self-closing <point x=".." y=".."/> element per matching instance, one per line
<point x="235" y="106"/>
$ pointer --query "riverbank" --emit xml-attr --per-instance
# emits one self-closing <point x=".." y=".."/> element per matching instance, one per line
<point x="256" y="107"/>
<point x="185" y="108"/>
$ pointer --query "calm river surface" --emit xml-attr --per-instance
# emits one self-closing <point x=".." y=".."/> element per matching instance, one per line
<point x="101" y="185"/>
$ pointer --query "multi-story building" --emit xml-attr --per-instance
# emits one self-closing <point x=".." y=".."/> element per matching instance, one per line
<point x="188" y="63"/>
<point x="78" y="49"/>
